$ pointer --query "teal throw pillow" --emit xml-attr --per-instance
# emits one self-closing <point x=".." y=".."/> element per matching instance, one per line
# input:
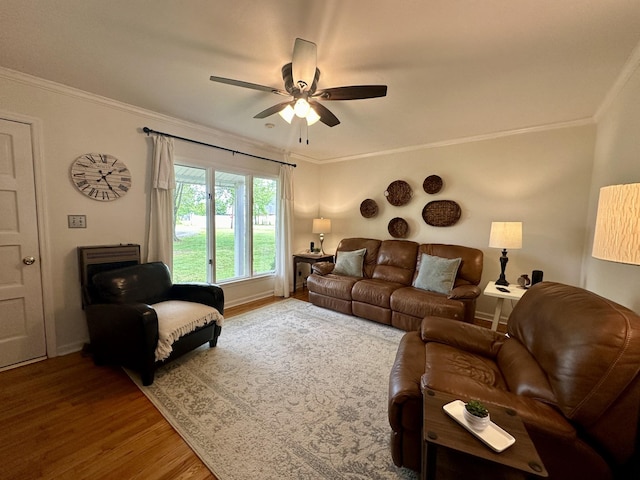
<point x="350" y="263"/>
<point x="437" y="274"/>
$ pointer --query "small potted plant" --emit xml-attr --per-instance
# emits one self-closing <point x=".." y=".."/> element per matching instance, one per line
<point x="476" y="415"/>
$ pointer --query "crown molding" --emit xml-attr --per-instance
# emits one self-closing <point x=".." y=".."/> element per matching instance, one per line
<point x="630" y="67"/>
<point x="459" y="141"/>
<point x="55" y="87"/>
<point x="62" y="89"/>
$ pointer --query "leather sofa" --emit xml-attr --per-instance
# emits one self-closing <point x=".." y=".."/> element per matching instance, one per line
<point x="384" y="291"/>
<point x="126" y="324"/>
<point x="568" y="366"/>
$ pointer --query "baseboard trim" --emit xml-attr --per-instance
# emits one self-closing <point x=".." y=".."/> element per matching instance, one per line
<point x="22" y="364"/>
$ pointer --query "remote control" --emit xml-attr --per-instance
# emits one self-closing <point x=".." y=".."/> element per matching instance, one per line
<point x="502" y="289"/>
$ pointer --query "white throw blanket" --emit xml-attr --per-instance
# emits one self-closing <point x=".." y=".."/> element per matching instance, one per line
<point x="177" y="318"/>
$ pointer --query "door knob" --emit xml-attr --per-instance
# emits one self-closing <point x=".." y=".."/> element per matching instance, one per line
<point x="28" y="260"/>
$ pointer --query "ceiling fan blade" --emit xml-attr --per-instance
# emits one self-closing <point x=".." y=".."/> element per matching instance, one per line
<point x="304" y="63"/>
<point x="271" y="110"/>
<point x="252" y="86"/>
<point x="355" y="92"/>
<point x="326" y="116"/>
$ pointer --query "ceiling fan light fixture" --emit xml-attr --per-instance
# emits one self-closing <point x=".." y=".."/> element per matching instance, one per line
<point x="300" y="78"/>
<point x="312" y="117"/>
<point x="301" y="108"/>
<point x="287" y="113"/>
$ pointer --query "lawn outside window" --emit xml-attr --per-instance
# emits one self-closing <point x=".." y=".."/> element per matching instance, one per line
<point x="224" y="225"/>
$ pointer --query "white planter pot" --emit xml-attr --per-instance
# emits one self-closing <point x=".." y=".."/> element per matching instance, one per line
<point x="477" y="423"/>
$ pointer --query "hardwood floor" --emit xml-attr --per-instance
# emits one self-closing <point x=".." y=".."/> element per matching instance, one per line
<point x="65" y="418"/>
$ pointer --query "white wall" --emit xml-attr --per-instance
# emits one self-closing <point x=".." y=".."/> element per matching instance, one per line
<point x="540" y="178"/>
<point x="74" y="123"/>
<point x="307" y="193"/>
<point x="617" y="161"/>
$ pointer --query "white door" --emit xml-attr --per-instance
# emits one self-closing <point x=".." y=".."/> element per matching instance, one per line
<point x="22" y="334"/>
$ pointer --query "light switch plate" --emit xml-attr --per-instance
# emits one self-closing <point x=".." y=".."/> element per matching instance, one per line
<point x="77" y="221"/>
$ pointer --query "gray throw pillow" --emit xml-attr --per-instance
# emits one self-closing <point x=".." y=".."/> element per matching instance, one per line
<point x="437" y="274"/>
<point x="350" y="263"/>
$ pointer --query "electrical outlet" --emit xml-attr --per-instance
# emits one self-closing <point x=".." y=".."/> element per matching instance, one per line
<point x="77" y="221"/>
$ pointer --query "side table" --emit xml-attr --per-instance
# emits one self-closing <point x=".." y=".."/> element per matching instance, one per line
<point x="309" y="258"/>
<point x="515" y="292"/>
<point x="520" y="460"/>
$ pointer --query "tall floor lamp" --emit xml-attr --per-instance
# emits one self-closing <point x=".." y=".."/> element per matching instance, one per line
<point x="617" y="233"/>
<point x="321" y="226"/>
<point x="505" y="235"/>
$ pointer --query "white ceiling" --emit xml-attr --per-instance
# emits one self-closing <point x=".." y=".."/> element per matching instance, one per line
<point x="454" y="68"/>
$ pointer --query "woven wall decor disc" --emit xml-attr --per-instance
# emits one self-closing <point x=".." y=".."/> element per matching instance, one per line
<point x="441" y="213"/>
<point x="398" y="227"/>
<point x="398" y="193"/>
<point x="369" y="208"/>
<point x="432" y="184"/>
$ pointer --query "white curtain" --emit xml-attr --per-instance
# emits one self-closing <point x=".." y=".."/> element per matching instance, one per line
<point x="284" y="258"/>
<point x="163" y="184"/>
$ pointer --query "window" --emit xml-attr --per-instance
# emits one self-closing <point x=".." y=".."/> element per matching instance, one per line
<point x="264" y="225"/>
<point x="229" y="238"/>
<point x="190" y="239"/>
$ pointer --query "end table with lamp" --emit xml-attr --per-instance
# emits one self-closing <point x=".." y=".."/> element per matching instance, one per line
<point x="320" y="226"/>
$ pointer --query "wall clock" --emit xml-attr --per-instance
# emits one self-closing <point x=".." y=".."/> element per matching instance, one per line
<point x="100" y="176"/>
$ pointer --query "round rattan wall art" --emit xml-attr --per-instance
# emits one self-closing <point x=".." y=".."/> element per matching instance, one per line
<point x="398" y="227"/>
<point x="432" y="184"/>
<point x="441" y="213"/>
<point x="369" y="208"/>
<point x="398" y="193"/>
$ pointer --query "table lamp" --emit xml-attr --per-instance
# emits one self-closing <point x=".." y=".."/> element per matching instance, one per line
<point x="617" y="232"/>
<point x="321" y="226"/>
<point x="505" y="235"/>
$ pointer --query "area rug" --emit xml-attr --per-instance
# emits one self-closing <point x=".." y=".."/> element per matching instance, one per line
<point x="292" y="391"/>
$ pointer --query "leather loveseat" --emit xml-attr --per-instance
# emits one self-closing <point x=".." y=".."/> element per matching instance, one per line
<point x="383" y="287"/>
<point x="569" y="367"/>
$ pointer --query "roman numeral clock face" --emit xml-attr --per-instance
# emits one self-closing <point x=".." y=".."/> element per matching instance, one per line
<point x="101" y="177"/>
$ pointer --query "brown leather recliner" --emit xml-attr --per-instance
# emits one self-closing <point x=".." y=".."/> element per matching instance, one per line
<point x="569" y="366"/>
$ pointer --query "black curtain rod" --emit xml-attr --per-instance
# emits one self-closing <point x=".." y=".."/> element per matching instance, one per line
<point x="148" y="131"/>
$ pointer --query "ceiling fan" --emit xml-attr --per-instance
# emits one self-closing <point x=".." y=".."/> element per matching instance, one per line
<point x="300" y="82"/>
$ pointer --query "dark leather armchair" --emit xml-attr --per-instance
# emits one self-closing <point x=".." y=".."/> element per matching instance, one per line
<point x="569" y="367"/>
<point x="123" y="310"/>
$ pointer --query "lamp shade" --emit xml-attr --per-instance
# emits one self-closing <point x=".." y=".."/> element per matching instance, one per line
<point x="301" y="107"/>
<point x="617" y="233"/>
<point x="507" y="235"/>
<point x="287" y="113"/>
<point x="312" y="117"/>
<point x="321" y="225"/>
